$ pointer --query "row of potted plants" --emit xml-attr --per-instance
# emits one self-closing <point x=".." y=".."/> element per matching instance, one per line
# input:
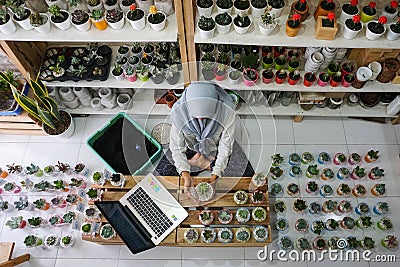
<point x="226" y="235"/>
<point x="34" y="170"/>
<point x="106" y="231"/>
<point x="50" y="241"/>
<point x="225" y="216"/>
<point x="36" y="222"/>
<point x="241" y="197"/>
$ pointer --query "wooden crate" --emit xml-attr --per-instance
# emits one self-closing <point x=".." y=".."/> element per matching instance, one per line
<point x="224" y="199"/>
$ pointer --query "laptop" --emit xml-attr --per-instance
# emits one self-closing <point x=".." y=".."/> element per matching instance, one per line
<point x="145" y="215"/>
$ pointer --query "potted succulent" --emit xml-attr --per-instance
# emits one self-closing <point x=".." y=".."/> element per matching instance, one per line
<point x="280" y="62"/>
<point x="156" y="19"/>
<point x="359" y="190"/>
<point x="367" y="243"/>
<point x="21" y="16"/>
<point x="352" y="242"/>
<point x="41" y="204"/>
<point x="80" y="168"/>
<point x="344" y="206"/>
<point x="295" y="171"/>
<point x="40" y="22"/>
<point x="343" y="190"/>
<point x="223" y="22"/>
<point x="56" y="220"/>
<point x="225" y="235"/>
<point x="204" y="191"/>
<point x="35" y="222"/>
<point x="242" y="235"/>
<point x="324" y="8"/>
<point x="259" y="214"/>
<point x="303" y="244"/>
<point x="204" y="7"/>
<point x="72" y="199"/>
<point x="292" y="189"/>
<point x="354" y="158"/>
<point x="267" y="76"/>
<point x="279" y="206"/>
<point x="300" y="7"/>
<point x="12" y="187"/>
<point x="51" y="241"/>
<point x="317" y="227"/>
<point x="81" y="20"/>
<point x="294" y="159"/>
<point x="267" y="61"/>
<point x="324" y="158"/>
<point x="364" y="222"/>
<point x="23" y="204"/>
<point x="94" y="5"/>
<point x="277" y="160"/>
<point x="385" y="224"/>
<point x="240" y="197"/>
<point x="15" y="169"/>
<point x="241" y="6"/>
<point x="258" y="7"/>
<point x="326" y="190"/>
<point x="92" y="213"/>
<point x="339" y="159"/>
<point x="107" y="232"/>
<point x="110" y="4"/>
<point x="49" y="170"/>
<point x="381" y="208"/>
<point x="285" y="243"/>
<point x="371" y="156"/>
<point x="260" y="233"/>
<point x="343" y="173"/>
<point x="307" y="158"/>
<point x="206" y="217"/>
<point x="117" y="179"/>
<point x="43" y="186"/>
<point x="282" y="224"/>
<point x="358" y="173"/>
<point x="347" y="223"/>
<point x="69" y="217"/>
<point x="319" y="243"/>
<point x="224" y="6"/>
<point x="323" y="79"/>
<point x="61" y="185"/>
<point x="276" y="7"/>
<point x="299" y="205"/>
<point x="376" y="29"/>
<point x="86" y="228"/>
<point x="393" y="31"/>
<point x="136" y="17"/>
<point x="352" y="27"/>
<point x="67" y="241"/>
<point x="33" y="170"/>
<point x="331" y="225"/>
<point x="389" y="242"/>
<point x="207" y="27"/>
<point x="309" y="79"/>
<point x="225" y="216"/>
<point x="243" y="215"/>
<point x="250" y="77"/>
<point x="336" y="79"/>
<point x="378" y="190"/>
<point x="65" y="168"/>
<point x="259" y="179"/>
<point x="59" y="17"/>
<point x="327" y="174"/>
<point x="314" y="208"/>
<point x="59" y="202"/>
<point x="191" y="235"/>
<point x="5" y="206"/>
<point x="98" y="178"/>
<point x="115" y="19"/>
<point x="143" y="73"/>
<point x="311" y="187"/>
<point x="31" y="241"/>
<point x="349" y="10"/>
<point x="326" y="27"/>
<point x="77" y="182"/>
<point x="7" y="25"/>
<point x="312" y="171"/>
<point x="280" y="76"/>
<point x="368" y="12"/>
<point x="294" y="77"/>
<point x="275" y="172"/>
<point x="390" y="10"/>
<point x="376" y="173"/>
<point x="242" y="23"/>
<point x="94" y="194"/>
<point x="208" y="235"/>
<point x="98" y="19"/>
<point x="276" y="189"/>
<point x="234" y="76"/>
<point x="257" y="197"/>
<point x="16" y="222"/>
<point x="301" y="225"/>
<point x="267" y="24"/>
<point x="329" y="206"/>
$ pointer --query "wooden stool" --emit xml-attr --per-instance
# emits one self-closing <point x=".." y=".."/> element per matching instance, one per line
<point x="6" y="251"/>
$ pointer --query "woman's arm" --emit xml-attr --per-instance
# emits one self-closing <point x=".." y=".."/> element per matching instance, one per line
<point x="178" y="148"/>
<point x="225" y="146"/>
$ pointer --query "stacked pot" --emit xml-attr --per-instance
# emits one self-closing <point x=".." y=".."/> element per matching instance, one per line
<point x="111" y="98"/>
<point x="314" y="59"/>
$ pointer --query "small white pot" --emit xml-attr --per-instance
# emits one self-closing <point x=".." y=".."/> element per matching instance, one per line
<point x="205" y="11"/>
<point x="120" y="77"/>
<point x="25" y="24"/>
<point x="160" y="26"/>
<point x="98" y="7"/>
<point x="111" y="103"/>
<point x="95" y="104"/>
<point x="70" y="130"/>
<point x="105" y="93"/>
<point x="124" y="101"/>
<point x="83" y="27"/>
<point x="350" y="34"/>
<point x="125" y="9"/>
<point x="65" y="25"/>
<point x="223" y="10"/>
<point x="373" y="36"/>
<point x="233" y="82"/>
<point x="74" y="103"/>
<point x="137" y="24"/>
<point x="391" y="35"/>
<point x="376" y="68"/>
<point x="117" y="25"/>
<point x="264" y="30"/>
<point x="66" y="93"/>
<point x="45" y="28"/>
<point x="9" y="26"/>
<point x="238" y="11"/>
<point x="207" y="34"/>
<point x="256" y="12"/>
<point x="364" y="74"/>
<point x="242" y="30"/>
<point x="223" y="29"/>
<point x="390" y="17"/>
<point x="107" y="7"/>
<point x="60" y="3"/>
<point x="276" y="11"/>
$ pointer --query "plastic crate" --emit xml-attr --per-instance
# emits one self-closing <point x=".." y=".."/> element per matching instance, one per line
<point x="123" y="146"/>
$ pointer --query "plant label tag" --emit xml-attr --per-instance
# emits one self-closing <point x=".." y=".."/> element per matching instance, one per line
<point x="107" y="174"/>
<point x="81" y="193"/>
<point x="76" y="225"/>
<point x="80" y="207"/>
<point x="2" y="181"/>
<point x="85" y="172"/>
<point x="123" y="183"/>
<point x="28" y="185"/>
<point x="96" y="227"/>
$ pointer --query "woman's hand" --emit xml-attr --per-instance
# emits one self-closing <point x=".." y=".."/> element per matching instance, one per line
<point x="188" y="186"/>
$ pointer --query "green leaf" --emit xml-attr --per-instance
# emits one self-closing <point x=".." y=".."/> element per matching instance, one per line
<point x="45" y="117"/>
<point x="38" y="90"/>
<point x="53" y="107"/>
<point x="26" y="103"/>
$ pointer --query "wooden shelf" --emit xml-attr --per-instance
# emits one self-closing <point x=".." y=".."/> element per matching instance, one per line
<point x="126" y="34"/>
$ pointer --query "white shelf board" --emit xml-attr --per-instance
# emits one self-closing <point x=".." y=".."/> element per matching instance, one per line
<point x="144" y="105"/>
<point x="306" y="36"/>
<point x="371" y="86"/>
<point x="114" y="83"/>
<point x="126" y="34"/>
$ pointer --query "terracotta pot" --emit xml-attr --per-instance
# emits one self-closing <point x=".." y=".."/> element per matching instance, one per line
<point x="389" y="69"/>
<point x="369" y="100"/>
<point x="170" y="99"/>
<point x="304" y="14"/>
<point x="321" y="12"/>
<point x="292" y="32"/>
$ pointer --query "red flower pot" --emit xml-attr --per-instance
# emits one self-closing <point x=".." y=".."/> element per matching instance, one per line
<point x="322" y="82"/>
<point x="334" y="83"/>
<point x="250" y="82"/>
<point x="346" y="82"/>
<point x="278" y="53"/>
<point x="279" y="79"/>
<point x="308" y="83"/>
<point x="219" y="75"/>
<point x="267" y="80"/>
<point x="294" y="81"/>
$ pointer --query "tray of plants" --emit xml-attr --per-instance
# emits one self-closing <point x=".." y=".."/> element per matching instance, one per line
<point x="88" y="63"/>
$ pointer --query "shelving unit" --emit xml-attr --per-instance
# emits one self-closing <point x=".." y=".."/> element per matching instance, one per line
<point x="306" y="37"/>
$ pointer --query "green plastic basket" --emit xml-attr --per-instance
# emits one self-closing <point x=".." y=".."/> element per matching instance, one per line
<point x="126" y="119"/>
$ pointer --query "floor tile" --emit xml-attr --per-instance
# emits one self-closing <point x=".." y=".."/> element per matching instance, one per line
<point x="86" y="262"/>
<point x="38" y="263"/>
<point x="157" y="253"/>
<point x="319" y="131"/>
<point x="213" y="263"/>
<point x="75" y="138"/>
<point x="90" y="158"/>
<point x="366" y="132"/>
<point x="89" y="250"/>
<point x="213" y="253"/>
<point x="15" y="153"/>
<point x="9" y="138"/>
<point x="149" y="263"/>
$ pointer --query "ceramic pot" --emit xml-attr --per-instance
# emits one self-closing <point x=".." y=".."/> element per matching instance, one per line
<point x="389" y="68"/>
<point x="98" y="7"/>
<point x="106" y="93"/>
<point x="111" y="102"/>
<point x="117" y="25"/>
<point x="66" y="24"/>
<point x="207" y="34"/>
<point x="371" y="35"/>
<point x="266" y="31"/>
<point x="349" y="33"/>
<point x="170" y="99"/>
<point x="137" y="24"/>
<point x="292" y="32"/>
<point x="74" y="103"/>
<point x="45" y="28"/>
<point x="25" y="24"/>
<point x="391" y="35"/>
<point x="223" y="10"/>
<point x="145" y="5"/>
<point x="124" y="101"/>
<point x="82" y="92"/>
<point x="66" y="93"/>
<point x="9" y="26"/>
<point x="84" y="26"/>
<point x="256" y="12"/>
<point x="242" y="30"/>
<point x="166" y="6"/>
<point x="205" y="11"/>
<point x="390" y="16"/>
<point x="223" y="29"/>
<point x="95" y="103"/>
<point x="110" y="7"/>
<point x="362" y="76"/>
<point x="344" y="16"/>
<point x="67" y="133"/>
<point x="160" y="26"/>
<point x="376" y="68"/>
<point x="60" y="3"/>
<point x="100" y="24"/>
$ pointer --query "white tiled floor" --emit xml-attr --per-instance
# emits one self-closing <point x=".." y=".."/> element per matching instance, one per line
<point x="260" y="140"/>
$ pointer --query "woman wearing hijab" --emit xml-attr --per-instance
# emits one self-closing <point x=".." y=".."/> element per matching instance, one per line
<point x="202" y="136"/>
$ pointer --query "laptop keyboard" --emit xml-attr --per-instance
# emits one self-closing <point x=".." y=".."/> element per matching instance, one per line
<point x="149" y="211"/>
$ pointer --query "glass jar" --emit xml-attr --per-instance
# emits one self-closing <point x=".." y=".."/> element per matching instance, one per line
<point x="334" y="103"/>
<point x="352" y="99"/>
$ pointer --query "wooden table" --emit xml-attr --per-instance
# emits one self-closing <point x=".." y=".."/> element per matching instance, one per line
<point x="225" y="190"/>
